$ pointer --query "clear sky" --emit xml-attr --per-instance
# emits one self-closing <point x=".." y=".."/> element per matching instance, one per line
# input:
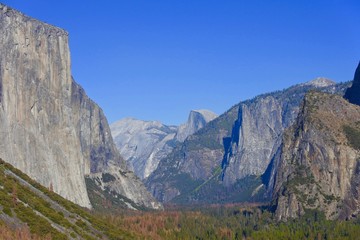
<point x="158" y="59"/>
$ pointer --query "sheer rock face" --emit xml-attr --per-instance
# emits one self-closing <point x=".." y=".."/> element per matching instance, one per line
<point x="197" y="120"/>
<point x="318" y="166"/>
<point x="145" y="143"/>
<point x="353" y="93"/>
<point x="258" y="130"/>
<point x="241" y="143"/>
<point x="192" y="161"/>
<point x="49" y="128"/>
<point x="255" y="135"/>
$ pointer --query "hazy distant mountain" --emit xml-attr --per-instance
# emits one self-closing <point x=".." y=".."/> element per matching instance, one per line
<point x="197" y="120"/>
<point x="144" y="143"/>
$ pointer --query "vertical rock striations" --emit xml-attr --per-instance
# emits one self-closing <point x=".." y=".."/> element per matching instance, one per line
<point x="227" y="157"/>
<point x="318" y="167"/>
<point x="37" y="123"/>
<point x="259" y="127"/>
<point x="49" y="128"/>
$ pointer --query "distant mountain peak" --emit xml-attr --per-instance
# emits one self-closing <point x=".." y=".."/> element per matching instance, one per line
<point x="144" y="143"/>
<point x="197" y="119"/>
<point x="320" y="82"/>
<point x="207" y="114"/>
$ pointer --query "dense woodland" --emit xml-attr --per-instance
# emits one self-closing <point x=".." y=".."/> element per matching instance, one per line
<point x="231" y="221"/>
<point x="215" y="222"/>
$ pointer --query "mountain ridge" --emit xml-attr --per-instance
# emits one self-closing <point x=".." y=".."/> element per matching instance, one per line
<point x="144" y="143"/>
<point x="205" y="159"/>
<point x="317" y="167"/>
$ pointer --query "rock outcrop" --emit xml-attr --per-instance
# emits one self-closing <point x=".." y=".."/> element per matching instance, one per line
<point x="258" y="129"/>
<point x="49" y="128"/>
<point x="144" y="143"/>
<point x="231" y="153"/>
<point x="353" y="93"/>
<point x="197" y="119"/>
<point x="193" y="160"/>
<point x="318" y="165"/>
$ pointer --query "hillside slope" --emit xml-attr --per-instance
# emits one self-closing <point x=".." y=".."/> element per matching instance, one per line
<point x="26" y="204"/>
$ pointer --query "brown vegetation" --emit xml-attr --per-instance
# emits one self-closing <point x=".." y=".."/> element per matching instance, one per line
<point x="22" y="233"/>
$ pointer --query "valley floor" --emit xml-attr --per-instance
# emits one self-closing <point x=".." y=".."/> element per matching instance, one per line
<point x="30" y="211"/>
<point x="243" y="221"/>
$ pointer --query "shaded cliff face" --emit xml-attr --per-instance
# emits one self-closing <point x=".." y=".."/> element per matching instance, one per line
<point x="50" y="129"/>
<point x="230" y="154"/>
<point x="145" y="143"/>
<point x="191" y="162"/>
<point x="353" y="93"/>
<point x="258" y="130"/>
<point x="318" y="167"/>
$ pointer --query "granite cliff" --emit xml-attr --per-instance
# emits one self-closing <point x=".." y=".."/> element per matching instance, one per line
<point x="197" y="119"/>
<point x="258" y="129"/>
<point x="144" y="143"/>
<point x="317" y="167"/>
<point x="49" y="128"/>
<point x="352" y="94"/>
<point x="227" y="160"/>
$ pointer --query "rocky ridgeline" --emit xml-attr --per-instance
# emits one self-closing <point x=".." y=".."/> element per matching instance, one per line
<point x="257" y="132"/>
<point x="49" y="128"/>
<point x="318" y="167"/>
<point x="144" y="143"/>
<point x="232" y="153"/>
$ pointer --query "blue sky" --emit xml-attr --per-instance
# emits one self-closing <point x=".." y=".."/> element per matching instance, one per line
<point x="157" y="60"/>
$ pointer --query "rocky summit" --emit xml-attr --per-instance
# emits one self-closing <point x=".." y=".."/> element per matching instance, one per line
<point x="318" y="165"/>
<point x="258" y="129"/>
<point x="197" y="119"/>
<point x="228" y="159"/>
<point x="49" y="128"/>
<point x="144" y="143"/>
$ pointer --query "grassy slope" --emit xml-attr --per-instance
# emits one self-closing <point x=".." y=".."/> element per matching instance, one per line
<point x="25" y="203"/>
